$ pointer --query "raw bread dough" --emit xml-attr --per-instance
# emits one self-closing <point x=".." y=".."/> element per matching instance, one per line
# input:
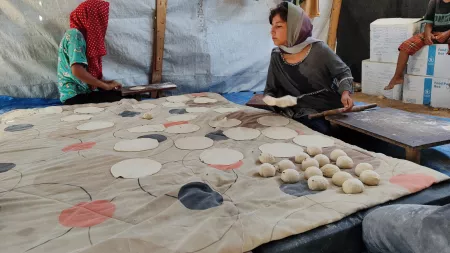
<point x="309" y="162"/>
<point x="336" y="153"/>
<point x="370" y="177"/>
<point x="197" y="109"/>
<point x="136" y="145"/>
<point x="301" y="157"/>
<point x="95" y="125"/>
<point x="267" y="158"/>
<point x="147" y="116"/>
<point x="322" y="159"/>
<point x="221" y="156"/>
<point x="182" y="117"/>
<point x="362" y="167"/>
<point x="352" y="186"/>
<point x="182" y="129"/>
<point x="137" y="88"/>
<point x="226" y="109"/>
<point x="144" y="106"/>
<point x="284" y="165"/>
<point x="281" y="149"/>
<point x="267" y="170"/>
<point x="273" y="121"/>
<point x="317" y="183"/>
<point x="279" y="133"/>
<point x="286" y="101"/>
<point x="178" y="99"/>
<point x="314" y="150"/>
<point x="242" y="133"/>
<point x="312" y="171"/>
<point x="135" y="168"/>
<point x="290" y="176"/>
<point x="329" y="170"/>
<point x="75" y="117"/>
<point x="344" y="162"/>
<point x="204" y="100"/>
<point x="194" y="143"/>
<point x="316" y="140"/>
<point x="87" y="110"/>
<point x="269" y="100"/>
<point x="147" y="128"/>
<point x="340" y="177"/>
<point x="225" y="123"/>
<point x="50" y="110"/>
<point x="173" y="105"/>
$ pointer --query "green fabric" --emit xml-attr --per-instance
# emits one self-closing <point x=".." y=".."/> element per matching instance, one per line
<point x="71" y="50"/>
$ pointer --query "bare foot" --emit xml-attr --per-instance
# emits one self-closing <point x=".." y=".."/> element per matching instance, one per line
<point x="393" y="82"/>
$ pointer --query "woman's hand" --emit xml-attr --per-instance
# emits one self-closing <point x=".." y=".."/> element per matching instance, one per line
<point x="347" y="101"/>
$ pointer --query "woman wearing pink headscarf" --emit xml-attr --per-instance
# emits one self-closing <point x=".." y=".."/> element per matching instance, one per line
<point x="305" y="76"/>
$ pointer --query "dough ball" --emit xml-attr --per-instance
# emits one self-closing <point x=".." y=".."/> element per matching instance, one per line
<point x="301" y="157"/>
<point x="313" y="151"/>
<point x="312" y="171"/>
<point x="317" y="183"/>
<point x="344" y="162"/>
<point x="329" y="170"/>
<point x="340" y="177"/>
<point x="322" y="159"/>
<point x="267" y="170"/>
<point x="267" y="158"/>
<point x="336" y="153"/>
<point x="362" y="167"/>
<point x="309" y="162"/>
<point x="290" y="176"/>
<point x="370" y="177"/>
<point x="353" y="186"/>
<point x="284" y="165"/>
<point x="147" y="116"/>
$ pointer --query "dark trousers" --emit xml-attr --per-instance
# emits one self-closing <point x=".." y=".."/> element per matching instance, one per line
<point x="95" y="97"/>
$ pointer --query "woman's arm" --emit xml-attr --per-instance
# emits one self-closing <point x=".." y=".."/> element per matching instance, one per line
<point x="80" y="72"/>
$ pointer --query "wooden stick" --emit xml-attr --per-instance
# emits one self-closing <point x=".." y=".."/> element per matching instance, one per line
<point x="158" y="40"/>
<point x="341" y="110"/>
<point x="334" y="23"/>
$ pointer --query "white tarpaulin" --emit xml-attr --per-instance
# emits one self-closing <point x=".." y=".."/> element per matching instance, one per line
<point x="213" y="45"/>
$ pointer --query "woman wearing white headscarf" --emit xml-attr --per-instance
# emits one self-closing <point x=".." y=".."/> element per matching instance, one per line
<point x="305" y="76"/>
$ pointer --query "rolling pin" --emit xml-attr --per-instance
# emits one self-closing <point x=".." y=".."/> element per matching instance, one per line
<point x="341" y="110"/>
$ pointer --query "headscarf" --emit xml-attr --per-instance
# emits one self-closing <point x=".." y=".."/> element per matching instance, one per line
<point x="91" y="19"/>
<point x="299" y="30"/>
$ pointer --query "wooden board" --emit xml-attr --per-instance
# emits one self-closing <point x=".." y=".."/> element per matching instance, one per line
<point x="405" y="129"/>
<point x="158" y="41"/>
<point x="257" y="102"/>
<point x="149" y="88"/>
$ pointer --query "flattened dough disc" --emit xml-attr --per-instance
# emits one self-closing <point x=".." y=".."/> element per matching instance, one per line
<point x="51" y="110"/>
<point x="182" y="129"/>
<point x="194" y="143"/>
<point x="137" y="88"/>
<point x="313" y="140"/>
<point x="197" y="109"/>
<point x="281" y="150"/>
<point x="145" y="106"/>
<point x="147" y="128"/>
<point x="75" y="117"/>
<point x="173" y="105"/>
<point x="242" y="133"/>
<point x="135" y="168"/>
<point x="204" y="100"/>
<point x="136" y="145"/>
<point x="95" y="125"/>
<point x="225" y="123"/>
<point x="87" y="110"/>
<point x="273" y="121"/>
<point x="178" y="99"/>
<point x="279" y="133"/>
<point x="221" y="156"/>
<point x="226" y="109"/>
<point x="182" y="117"/>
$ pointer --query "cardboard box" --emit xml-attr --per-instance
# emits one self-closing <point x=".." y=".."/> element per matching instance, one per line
<point x="430" y="61"/>
<point x="376" y="76"/>
<point x="433" y="91"/>
<point x="387" y="34"/>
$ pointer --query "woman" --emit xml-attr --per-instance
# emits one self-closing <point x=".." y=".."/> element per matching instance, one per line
<point x="305" y="76"/>
<point x="80" y="57"/>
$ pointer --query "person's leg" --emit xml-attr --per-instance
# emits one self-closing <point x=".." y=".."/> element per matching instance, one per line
<point x="319" y="125"/>
<point x="407" y="228"/>
<point x="95" y="97"/>
<point x="407" y="48"/>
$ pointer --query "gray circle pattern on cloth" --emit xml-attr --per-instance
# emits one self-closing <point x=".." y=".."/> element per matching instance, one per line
<point x="4" y="167"/>
<point x="199" y="196"/>
<point x="178" y="111"/>
<point x="128" y="114"/>
<point x="18" y="128"/>
<point x="298" y="189"/>
<point x="159" y="137"/>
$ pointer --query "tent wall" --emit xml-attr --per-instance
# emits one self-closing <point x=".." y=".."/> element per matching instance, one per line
<point x="210" y="45"/>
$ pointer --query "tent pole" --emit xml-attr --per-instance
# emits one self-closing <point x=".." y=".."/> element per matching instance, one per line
<point x="158" y="41"/>
<point x="334" y="23"/>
